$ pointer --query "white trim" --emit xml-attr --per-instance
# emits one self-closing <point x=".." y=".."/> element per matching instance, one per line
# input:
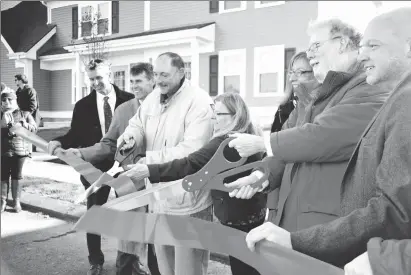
<point x="94" y="5"/>
<point x="73" y="86"/>
<point x="258" y="4"/>
<point x="48" y="15"/>
<point x="273" y="58"/>
<point x="55" y="57"/>
<point x="60" y="4"/>
<point x="230" y="70"/>
<point x="147" y="15"/>
<point x="56" y="114"/>
<point x="205" y="35"/>
<point x="9" y="49"/>
<point x="243" y="6"/>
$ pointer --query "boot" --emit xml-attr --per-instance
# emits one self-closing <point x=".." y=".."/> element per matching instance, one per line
<point x="16" y="193"/>
<point x="4" y="194"/>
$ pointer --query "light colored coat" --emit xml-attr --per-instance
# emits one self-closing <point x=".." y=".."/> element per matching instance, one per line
<point x="172" y="131"/>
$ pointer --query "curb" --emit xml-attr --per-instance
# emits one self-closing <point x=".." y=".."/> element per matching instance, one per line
<point x="58" y="209"/>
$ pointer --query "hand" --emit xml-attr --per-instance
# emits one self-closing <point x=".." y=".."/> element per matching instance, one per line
<point x="246" y="144"/>
<point x="137" y="171"/>
<point x="24" y="124"/>
<point x="75" y="152"/>
<point x="128" y="142"/>
<point x="359" y="266"/>
<point x="243" y="190"/>
<point x="270" y="232"/>
<point x="52" y="146"/>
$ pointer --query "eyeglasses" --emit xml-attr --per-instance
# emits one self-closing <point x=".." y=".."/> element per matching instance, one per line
<point x="298" y="73"/>
<point x="224" y="114"/>
<point x="315" y="46"/>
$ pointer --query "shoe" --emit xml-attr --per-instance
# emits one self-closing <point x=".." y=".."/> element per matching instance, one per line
<point x="16" y="194"/>
<point x="95" y="269"/>
<point x="138" y="269"/>
<point x="3" y="205"/>
<point x="4" y="192"/>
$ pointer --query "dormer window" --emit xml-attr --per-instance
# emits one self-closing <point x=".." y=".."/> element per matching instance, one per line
<point x="95" y="19"/>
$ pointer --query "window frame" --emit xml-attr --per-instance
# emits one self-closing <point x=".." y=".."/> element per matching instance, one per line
<point x="259" y="5"/>
<point x="221" y="9"/>
<point x="240" y="70"/>
<point x="95" y="5"/>
<point x="275" y="66"/>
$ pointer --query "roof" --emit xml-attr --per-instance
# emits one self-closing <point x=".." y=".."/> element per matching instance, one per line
<point x="157" y="31"/>
<point x="54" y="51"/>
<point x="21" y="34"/>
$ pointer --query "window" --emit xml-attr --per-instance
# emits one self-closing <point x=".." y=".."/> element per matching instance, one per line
<point x="120" y="75"/>
<point x="95" y="18"/>
<point x="289" y="53"/>
<point x="269" y="71"/>
<point x="232" y="71"/>
<point x="231" y="6"/>
<point x="214" y="6"/>
<point x="264" y="4"/>
<point x="187" y="67"/>
<point x="213" y="75"/>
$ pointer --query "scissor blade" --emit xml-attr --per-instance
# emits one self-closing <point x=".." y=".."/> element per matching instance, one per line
<point x="144" y="197"/>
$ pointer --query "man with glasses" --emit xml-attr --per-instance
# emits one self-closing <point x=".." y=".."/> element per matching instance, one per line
<point x="172" y="122"/>
<point x="317" y="149"/>
<point x="91" y="119"/>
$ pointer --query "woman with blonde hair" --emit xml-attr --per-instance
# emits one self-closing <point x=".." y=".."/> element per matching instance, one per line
<point x="299" y="85"/>
<point x="232" y="116"/>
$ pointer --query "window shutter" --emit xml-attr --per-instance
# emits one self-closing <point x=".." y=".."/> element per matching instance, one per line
<point x="115" y="16"/>
<point x="213" y="75"/>
<point x="213" y="6"/>
<point x="74" y="19"/>
<point x="288" y="54"/>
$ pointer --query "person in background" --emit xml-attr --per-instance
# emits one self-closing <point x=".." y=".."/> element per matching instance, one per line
<point x="27" y="97"/>
<point x="376" y="187"/>
<point x="299" y="86"/>
<point x="91" y="120"/>
<point x="142" y="84"/>
<point x="14" y="149"/>
<point x="232" y="116"/>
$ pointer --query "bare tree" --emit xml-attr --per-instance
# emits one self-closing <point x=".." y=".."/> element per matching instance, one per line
<point x="93" y="29"/>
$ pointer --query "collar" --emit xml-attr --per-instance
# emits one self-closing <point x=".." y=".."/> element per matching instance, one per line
<point x="165" y="98"/>
<point x="111" y="94"/>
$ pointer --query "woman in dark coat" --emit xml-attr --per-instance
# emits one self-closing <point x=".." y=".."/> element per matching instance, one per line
<point x="232" y="116"/>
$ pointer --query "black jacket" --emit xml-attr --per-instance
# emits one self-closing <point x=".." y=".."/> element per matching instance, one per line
<point x="27" y="100"/>
<point x="282" y="115"/>
<point x="235" y="211"/>
<point x="85" y="129"/>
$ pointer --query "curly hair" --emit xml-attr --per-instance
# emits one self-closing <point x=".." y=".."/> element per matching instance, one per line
<point x="338" y="27"/>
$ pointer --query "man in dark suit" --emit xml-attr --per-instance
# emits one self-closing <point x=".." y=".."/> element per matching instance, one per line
<point x="91" y="119"/>
<point x="375" y="193"/>
<point x="27" y="98"/>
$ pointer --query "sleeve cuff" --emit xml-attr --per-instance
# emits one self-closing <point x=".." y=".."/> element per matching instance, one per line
<point x="154" y="171"/>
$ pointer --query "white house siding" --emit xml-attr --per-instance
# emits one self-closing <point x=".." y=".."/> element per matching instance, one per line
<point x="8" y="68"/>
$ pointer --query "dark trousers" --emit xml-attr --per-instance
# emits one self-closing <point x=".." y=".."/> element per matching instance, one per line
<point x="126" y="263"/>
<point x="237" y="266"/>
<point x="100" y="197"/>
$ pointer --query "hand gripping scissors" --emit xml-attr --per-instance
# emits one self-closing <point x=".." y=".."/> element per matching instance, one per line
<point x="211" y="176"/>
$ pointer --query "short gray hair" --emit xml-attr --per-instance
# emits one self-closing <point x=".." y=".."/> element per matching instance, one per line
<point x="338" y="27"/>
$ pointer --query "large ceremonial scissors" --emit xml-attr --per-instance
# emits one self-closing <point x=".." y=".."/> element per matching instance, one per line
<point x="210" y="177"/>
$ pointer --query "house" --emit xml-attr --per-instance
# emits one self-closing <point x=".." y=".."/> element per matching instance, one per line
<point x="243" y="44"/>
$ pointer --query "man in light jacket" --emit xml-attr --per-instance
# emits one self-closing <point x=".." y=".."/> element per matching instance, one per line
<point x="142" y="84"/>
<point x="375" y="193"/>
<point x="174" y="121"/>
<point x="317" y="149"/>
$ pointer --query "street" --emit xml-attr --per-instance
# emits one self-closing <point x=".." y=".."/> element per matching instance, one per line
<point x="34" y="243"/>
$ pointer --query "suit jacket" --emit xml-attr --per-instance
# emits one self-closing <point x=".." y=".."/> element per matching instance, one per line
<point x="390" y="256"/>
<point x="376" y="188"/>
<point x="85" y="127"/>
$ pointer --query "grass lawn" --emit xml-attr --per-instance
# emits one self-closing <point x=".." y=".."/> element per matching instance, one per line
<point x="53" y="189"/>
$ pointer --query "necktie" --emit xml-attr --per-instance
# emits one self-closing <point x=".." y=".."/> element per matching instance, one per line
<point x="108" y="115"/>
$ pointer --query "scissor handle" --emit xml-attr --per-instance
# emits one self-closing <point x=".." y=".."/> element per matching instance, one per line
<point x="129" y="156"/>
<point x="217" y="164"/>
<point x="217" y="183"/>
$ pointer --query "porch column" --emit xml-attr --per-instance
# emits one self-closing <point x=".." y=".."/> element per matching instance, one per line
<point x="27" y="65"/>
<point x="78" y="77"/>
<point x="195" y="63"/>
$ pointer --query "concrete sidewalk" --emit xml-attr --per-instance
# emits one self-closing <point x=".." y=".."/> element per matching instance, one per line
<point x="37" y="166"/>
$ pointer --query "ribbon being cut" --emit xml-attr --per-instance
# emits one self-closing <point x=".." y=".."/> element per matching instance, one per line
<point x="268" y="258"/>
